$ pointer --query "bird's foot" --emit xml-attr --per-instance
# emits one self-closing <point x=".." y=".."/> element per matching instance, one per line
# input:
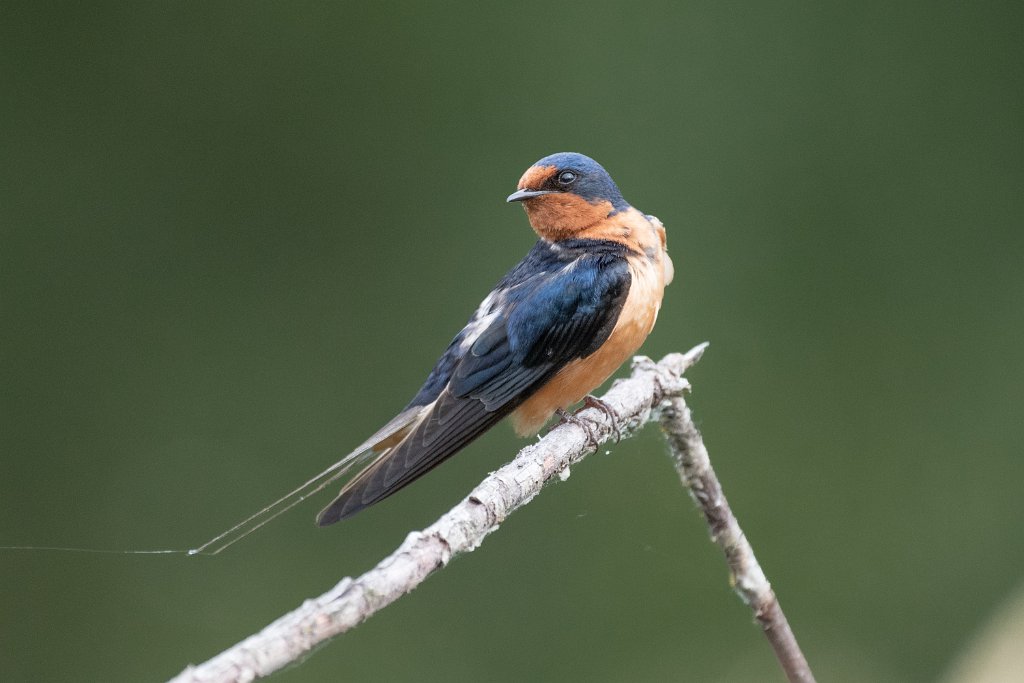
<point x="587" y="428"/>
<point x="591" y="401"/>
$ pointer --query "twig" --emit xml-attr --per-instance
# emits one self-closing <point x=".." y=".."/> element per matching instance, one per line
<point x="636" y="401"/>
<point x="694" y="467"/>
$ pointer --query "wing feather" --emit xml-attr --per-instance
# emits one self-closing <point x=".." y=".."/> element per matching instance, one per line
<point x="548" y="318"/>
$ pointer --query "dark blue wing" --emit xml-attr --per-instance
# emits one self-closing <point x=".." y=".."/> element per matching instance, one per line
<point x="558" y="305"/>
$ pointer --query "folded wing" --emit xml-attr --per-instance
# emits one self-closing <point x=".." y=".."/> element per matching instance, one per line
<point x="538" y="320"/>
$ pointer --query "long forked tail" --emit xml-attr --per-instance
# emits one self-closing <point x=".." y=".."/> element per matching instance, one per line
<point x="440" y="430"/>
<point x="281" y="505"/>
<point x="371" y="450"/>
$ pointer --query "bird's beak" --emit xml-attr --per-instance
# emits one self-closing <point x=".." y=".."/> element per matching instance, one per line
<point x="520" y="195"/>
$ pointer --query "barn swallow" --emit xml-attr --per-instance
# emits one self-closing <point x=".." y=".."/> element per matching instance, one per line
<point x="554" y="328"/>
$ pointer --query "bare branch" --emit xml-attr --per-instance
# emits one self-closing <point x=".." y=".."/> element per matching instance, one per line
<point x="694" y="467"/>
<point x="636" y="401"/>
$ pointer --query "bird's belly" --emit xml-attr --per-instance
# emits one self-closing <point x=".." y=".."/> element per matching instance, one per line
<point x="581" y="376"/>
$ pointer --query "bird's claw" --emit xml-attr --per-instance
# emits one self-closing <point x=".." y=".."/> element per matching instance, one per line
<point x="587" y="428"/>
<point x="591" y="401"/>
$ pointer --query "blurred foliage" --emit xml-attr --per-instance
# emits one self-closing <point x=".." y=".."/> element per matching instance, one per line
<point x="235" y="236"/>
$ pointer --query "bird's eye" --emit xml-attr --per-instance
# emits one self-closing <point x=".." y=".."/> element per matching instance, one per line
<point x="566" y="178"/>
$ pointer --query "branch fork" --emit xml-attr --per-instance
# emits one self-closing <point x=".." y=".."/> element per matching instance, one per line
<point x="652" y="393"/>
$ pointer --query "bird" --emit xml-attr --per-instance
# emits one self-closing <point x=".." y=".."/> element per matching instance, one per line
<point x="557" y="325"/>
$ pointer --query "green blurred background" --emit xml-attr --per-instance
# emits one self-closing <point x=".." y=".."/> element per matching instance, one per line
<point x="234" y="238"/>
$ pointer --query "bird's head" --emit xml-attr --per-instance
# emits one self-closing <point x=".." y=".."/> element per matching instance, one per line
<point x="566" y="193"/>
